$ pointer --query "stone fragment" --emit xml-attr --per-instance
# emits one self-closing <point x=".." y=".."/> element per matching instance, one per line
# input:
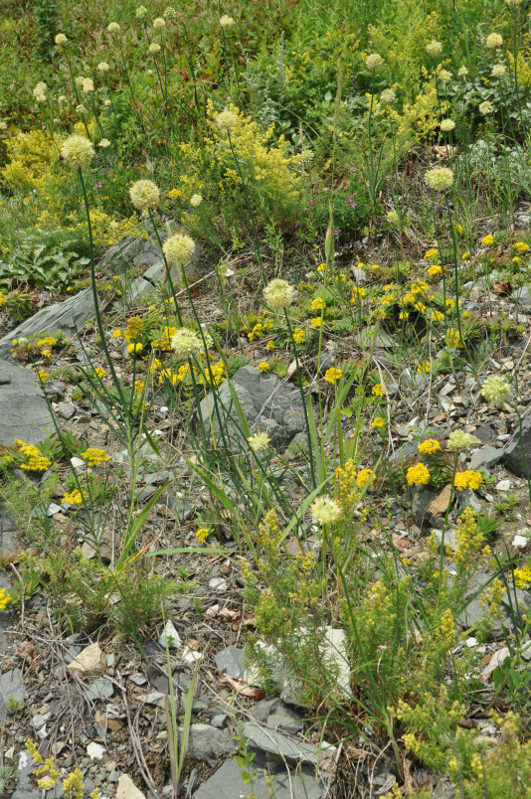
<point x="227" y="783"/>
<point x="517" y="453"/>
<point x="24" y="413"/>
<point x="95" y="751"/>
<point x="335" y="657"/>
<point x="208" y="744"/>
<point x="230" y="661"/>
<point x="485" y="457"/>
<point x="286" y="748"/>
<point x="439" y="505"/>
<point x="100" y="689"/>
<point x="170" y="636"/>
<point x="127" y="789"/>
<point x="269" y="405"/>
<point x="90" y="662"/>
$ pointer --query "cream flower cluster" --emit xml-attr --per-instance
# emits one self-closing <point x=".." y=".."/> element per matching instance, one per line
<point x="325" y="511"/>
<point x="178" y="249"/>
<point x="144" y="194"/>
<point x="185" y="342"/>
<point x="278" y="294"/>
<point x="77" y="152"/>
<point x="495" y="390"/>
<point x="440" y="178"/>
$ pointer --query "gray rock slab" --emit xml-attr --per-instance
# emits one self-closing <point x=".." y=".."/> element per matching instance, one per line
<point x="485" y="456"/>
<point x="12" y="686"/>
<point x="24" y="413"/>
<point x="283" y="747"/>
<point x="514" y="459"/>
<point x="268" y="403"/>
<point x="208" y="744"/>
<point x="100" y="689"/>
<point x="227" y="783"/>
<point x="68" y="317"/>
<point x="230" y="661"/>
<point x="522" y="297"/>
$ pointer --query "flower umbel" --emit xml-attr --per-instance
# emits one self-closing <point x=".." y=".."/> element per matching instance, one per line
<point x="278" y="294"/>
<point x="178" y="249"/>
<point x="77" y="152"/>
<point x="144" y="194"/>
<point x="418" y="475"/>
<point x="259" y="442"/>
<point x="325" y="511"/>
<point x="495" y="390"/>
<point x="439" y="179"/>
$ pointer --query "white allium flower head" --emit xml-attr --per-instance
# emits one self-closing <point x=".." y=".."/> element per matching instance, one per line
<point x="226" y="21"/>
<point x="77" y="151"/>
<point x="60" y="39"/>
<point x="144" y="194"/>
<point x="141" y="12"/>
<point x="458" y="440"/>
<point x="259" y="442"/>
<point x="104" y="143"/>
<point x="226" y="120"/>
<point x="493" y="41"/>
<point x="447" y="125"/>
<point x="325" y="511"/>
<point x="440" y="178"/>
<point x="195" y="200"/>
<point x="87" y="86"/>
<point x="388" y="96"/>
<point x="462" y="71"/>
<point x="434" y="48"/>
<point x="178" y="249"/>
<point x="159" y="23"/>
<point x="495" y="390"/>
<point x="113" y="27"/>
<point x="186" y="342"/>
<point x="103" y="66"/>
<point x="498" y="70"/>
<point x="485" y="107"/>
<point x="278" y="294"/>
<point x="373" y="61"/>
<point x="154" y="47"/>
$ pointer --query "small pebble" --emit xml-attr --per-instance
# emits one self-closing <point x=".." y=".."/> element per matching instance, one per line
<point x="504" y="485"/>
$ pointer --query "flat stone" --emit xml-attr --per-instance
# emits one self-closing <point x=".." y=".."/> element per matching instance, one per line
<point x="208" y="744"/>
<point x="283" y="747"/>
<point x="230" y="661"/>
<point x="12" y="686"/>
<point x="227" y="783"/>
<point x="100" y="689"/>
<point x="66" y="410"/>
<point x="24" y="413"/>
<point x="127" y="789"/>
<point x="513" y="459"/>
<point x="487" y="456"/>
<point x="90" y="662"/>
<point x="522" y="297"/>
<point x="95" y="751"/>
<point x="268" y="403"/>
<point x="334" y="655"/>
<point x="504" y="485"/>
<point x="170" y="636"/>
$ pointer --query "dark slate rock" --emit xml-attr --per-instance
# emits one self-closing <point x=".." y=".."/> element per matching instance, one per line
<point x="513" y="458"/>
<point x="68" y="317"/>
<point x="286" y="748"/>
<point x="227" y="783"/>
<point x="485" y="457"/>
<point x="268" y="403"/>
<point x="230" y="662"/>
<point x="24" y="413"/>
<point x="208" y="744"/>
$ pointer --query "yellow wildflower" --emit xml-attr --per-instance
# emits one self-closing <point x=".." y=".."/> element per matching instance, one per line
<point x="418" y="475"/>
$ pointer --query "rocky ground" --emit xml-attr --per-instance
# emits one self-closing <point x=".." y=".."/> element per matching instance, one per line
<point x="97" y="705"/>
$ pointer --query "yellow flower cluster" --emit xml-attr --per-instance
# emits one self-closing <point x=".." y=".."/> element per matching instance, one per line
<point x="5" y="599"/>
<point x="429" y="447"/>
<point x="418" y="475"/>
<point x="522" y="577"/>
<point x="521" y="247"/>
<point x="35" y="460"/>
<point x="333" y="375"/>
<point x="365" y="476"/>
<point x="94" y="456"/>
<point x="469" y="540"/>
<point x="468" y="480"/>
<point x="259" y="442"/>
<point x="377" y="423"/>
<point x="317" y="304"/>
<point x="357" y="294"/>
<point x="213" y="375"/>
<point x="263" y="367"/>
<point x="299" y="335"/>
<point x="202" y="534"/>
<point x="133" y="329"/>
<point x="378" y="390"/>
<point x="74" y="497"/>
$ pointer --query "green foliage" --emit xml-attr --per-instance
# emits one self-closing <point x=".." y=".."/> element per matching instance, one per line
<point x="43" y="260"/>
<point x="46" y="18"/>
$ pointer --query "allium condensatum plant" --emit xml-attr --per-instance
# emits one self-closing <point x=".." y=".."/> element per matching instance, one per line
<point x="323" y="169"/>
